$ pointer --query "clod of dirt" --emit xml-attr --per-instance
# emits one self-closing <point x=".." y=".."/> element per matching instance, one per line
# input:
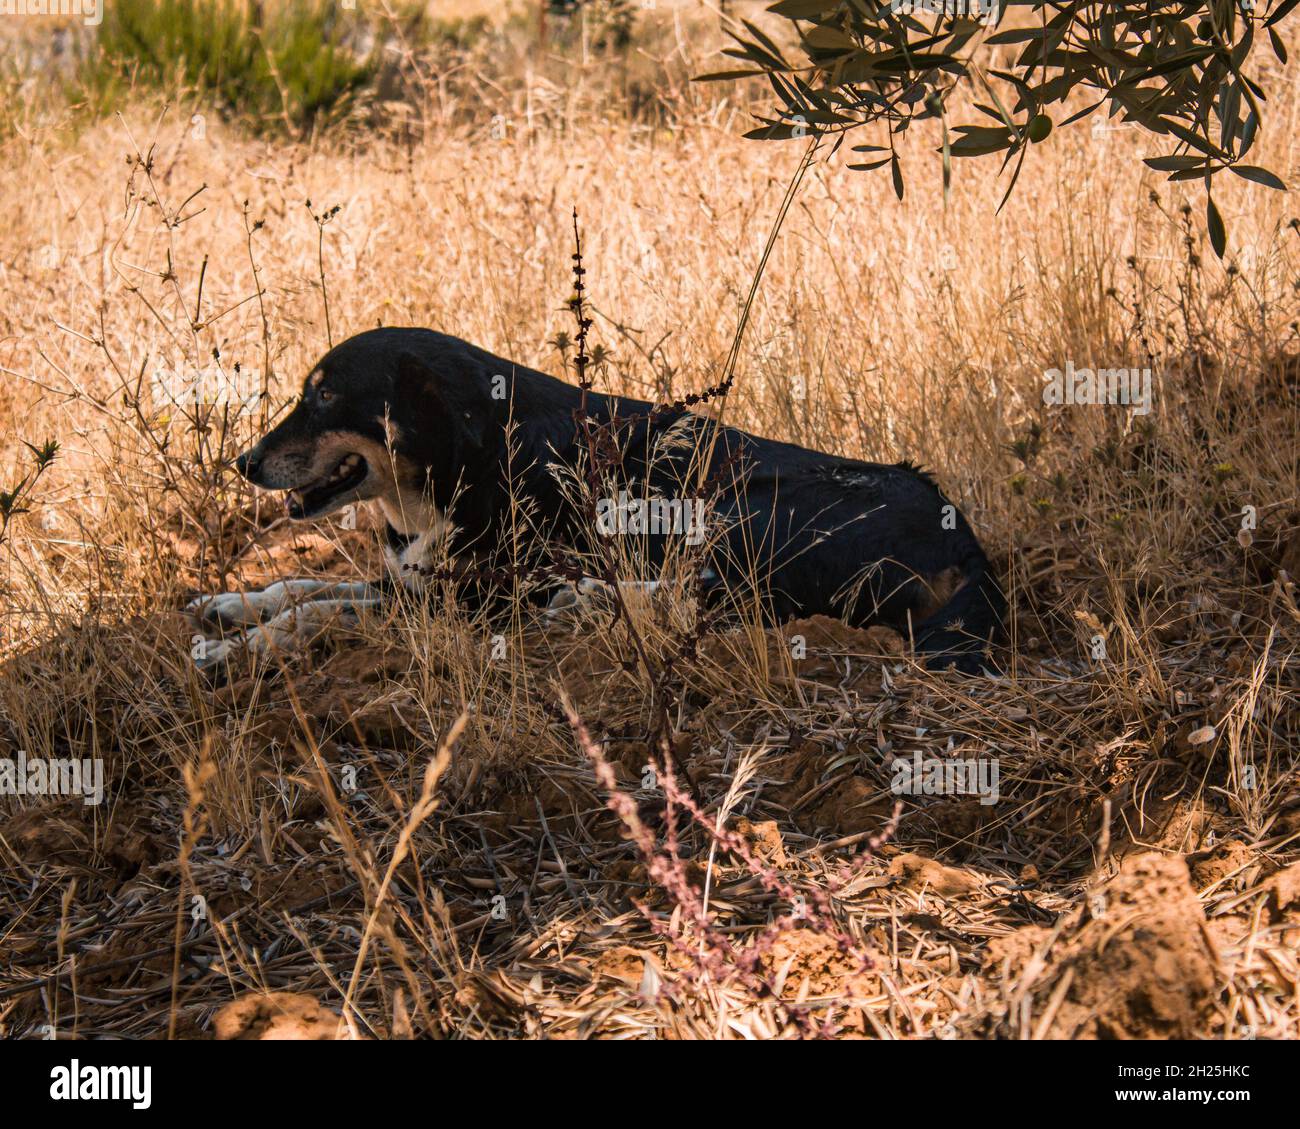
<point x="1213" y="866"/>
<point x="846" y="808"/>
<point x="764" y="839"/>
<point x="804" y="963"/>
<point x="487" y="996"/>
<point x="1284" y="890"/>
<point x="50" y="832"/>
<point x="835" y="635"/>
<point x="1180" y="825"/>
<point x="824" y="639"/>
<point x="816" y="649"/>
<point x="918" y="872"/>
<point x="622" y="963"/>
<point x="277" y="1015"/>
<point x="1134" y="962"/>
<point x="957" y="820"/>
<point x="856" y="805"/>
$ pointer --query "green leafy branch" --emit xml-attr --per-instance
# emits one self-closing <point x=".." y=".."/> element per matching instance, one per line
<point x="1175" y="69"/>
<point x="14" y="502"/>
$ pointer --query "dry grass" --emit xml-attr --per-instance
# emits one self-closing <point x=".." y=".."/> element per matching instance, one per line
<point x="1127" y="881"/>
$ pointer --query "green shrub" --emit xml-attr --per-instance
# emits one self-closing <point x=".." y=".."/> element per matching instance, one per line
<point x="287" y="66"/>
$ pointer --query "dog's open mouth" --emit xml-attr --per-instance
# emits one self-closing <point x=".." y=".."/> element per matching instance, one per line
<point x="315" y="497"/>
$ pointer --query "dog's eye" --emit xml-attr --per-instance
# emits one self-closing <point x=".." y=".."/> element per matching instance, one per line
<point x="324" y="395"/>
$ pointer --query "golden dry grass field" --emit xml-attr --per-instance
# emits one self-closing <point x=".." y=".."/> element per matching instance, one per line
<point x="283" y="831"/>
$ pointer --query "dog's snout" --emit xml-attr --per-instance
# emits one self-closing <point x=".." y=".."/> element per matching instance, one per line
<point x="248" y="464"/>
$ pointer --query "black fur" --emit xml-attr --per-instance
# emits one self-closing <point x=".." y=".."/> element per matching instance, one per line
<point x="824" y="534"/>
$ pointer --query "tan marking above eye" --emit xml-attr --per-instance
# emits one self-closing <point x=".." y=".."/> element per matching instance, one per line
<point x="317" y="375"/>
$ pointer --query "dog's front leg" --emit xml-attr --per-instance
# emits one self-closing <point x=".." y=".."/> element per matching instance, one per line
<point x="242" y="609"/>
<point x="290" y="630"/>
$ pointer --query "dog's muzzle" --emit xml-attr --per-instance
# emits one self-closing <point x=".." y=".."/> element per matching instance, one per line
<point x="307" y="497"/>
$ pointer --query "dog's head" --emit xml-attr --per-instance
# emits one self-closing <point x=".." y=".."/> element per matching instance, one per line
<point x="389" y="415"/>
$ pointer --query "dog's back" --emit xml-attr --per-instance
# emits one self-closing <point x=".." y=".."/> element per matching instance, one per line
<point x="821" y="534"/>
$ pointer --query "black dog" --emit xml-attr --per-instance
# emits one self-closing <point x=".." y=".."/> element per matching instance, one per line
<point x="464" y="449"/>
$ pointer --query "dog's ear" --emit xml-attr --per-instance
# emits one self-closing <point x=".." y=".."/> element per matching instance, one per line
<point x="418" y="381"/>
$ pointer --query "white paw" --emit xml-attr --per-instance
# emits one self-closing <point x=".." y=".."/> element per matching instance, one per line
<point x="233" y="609"/>
<point x="573" y="597"/>
<point x="254" y="641"/>
<point x="592" y="594"/>
<point x="214" y="653"/>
